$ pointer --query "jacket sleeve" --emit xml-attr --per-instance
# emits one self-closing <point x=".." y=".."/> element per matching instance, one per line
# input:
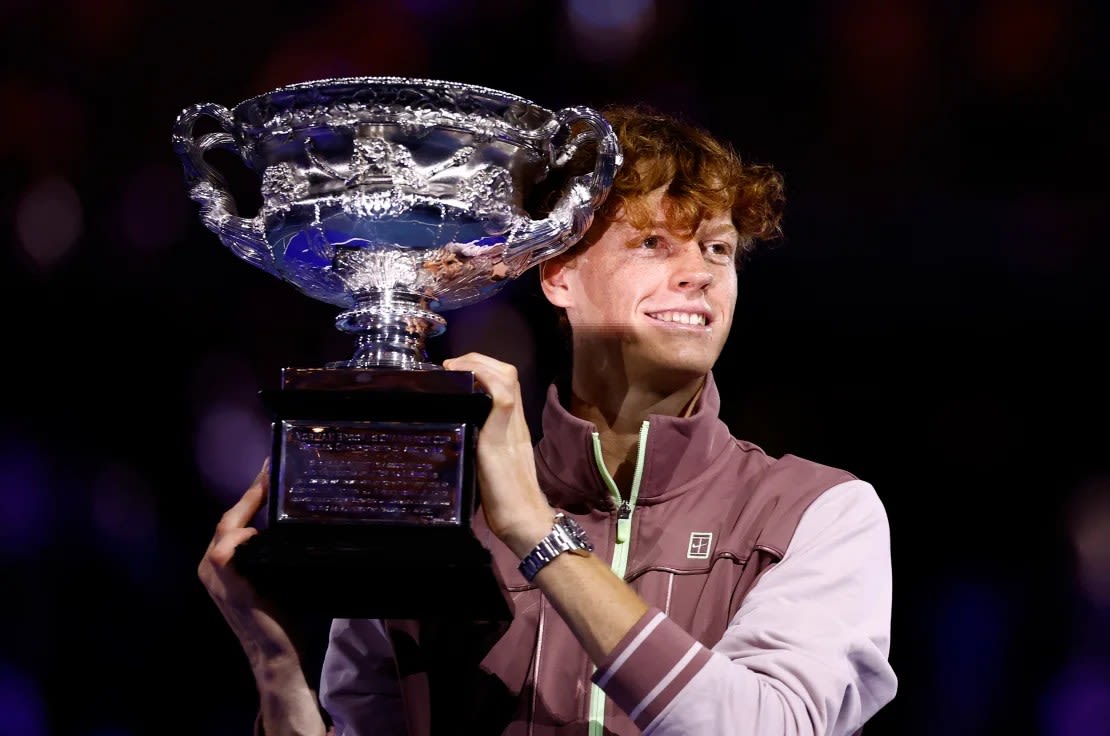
<point x="806" y="654"/>
<point x="359" y="687"/>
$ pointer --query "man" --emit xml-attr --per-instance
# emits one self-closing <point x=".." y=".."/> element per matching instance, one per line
<point x="726" y="591"/>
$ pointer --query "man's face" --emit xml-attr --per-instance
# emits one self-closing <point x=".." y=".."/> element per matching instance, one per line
<point x="653" y="299"/>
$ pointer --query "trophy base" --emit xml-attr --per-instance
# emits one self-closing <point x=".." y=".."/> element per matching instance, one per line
<point x="372" y="493"/>
<point x="388" y="574"/>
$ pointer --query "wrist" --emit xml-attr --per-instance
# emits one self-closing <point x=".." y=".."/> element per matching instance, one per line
<point x="523" y="537"/>
<point x="275" y="670"/>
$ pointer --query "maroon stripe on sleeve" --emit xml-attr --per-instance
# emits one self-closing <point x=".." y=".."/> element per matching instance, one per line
<point x="621" y="651"/>
<point x="650" y="664"/>
<point x="658" y="701"/>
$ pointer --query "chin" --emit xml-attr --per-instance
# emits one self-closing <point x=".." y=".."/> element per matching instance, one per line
<point x="677" y="368"/>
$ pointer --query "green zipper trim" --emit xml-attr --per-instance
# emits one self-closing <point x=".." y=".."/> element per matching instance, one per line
<point x="620" y="549"/>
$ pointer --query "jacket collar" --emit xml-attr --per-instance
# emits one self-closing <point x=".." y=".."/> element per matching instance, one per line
<point x="678" y="450"/>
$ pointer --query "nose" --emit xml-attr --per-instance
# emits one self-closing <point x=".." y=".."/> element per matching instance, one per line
<point x="690" y="270"/>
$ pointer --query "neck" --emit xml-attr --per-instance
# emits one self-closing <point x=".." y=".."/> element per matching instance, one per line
<point x="618" y="408"/>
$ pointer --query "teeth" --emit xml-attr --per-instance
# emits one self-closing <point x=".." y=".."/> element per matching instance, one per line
<point x="685" y="318"/>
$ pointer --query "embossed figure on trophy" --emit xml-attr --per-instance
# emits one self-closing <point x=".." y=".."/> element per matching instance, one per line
<point x="396" y="199"/>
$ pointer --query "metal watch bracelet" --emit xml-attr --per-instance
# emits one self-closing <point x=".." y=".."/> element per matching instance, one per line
<point x="566" y="536"/>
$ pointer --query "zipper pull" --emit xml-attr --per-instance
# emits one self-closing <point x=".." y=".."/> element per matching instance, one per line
<point x="624" y="522"/>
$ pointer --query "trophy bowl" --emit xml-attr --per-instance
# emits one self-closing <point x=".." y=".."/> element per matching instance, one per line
<point x="396" y="200"/>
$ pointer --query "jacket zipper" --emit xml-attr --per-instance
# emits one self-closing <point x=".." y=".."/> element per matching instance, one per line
<point x="620" y="548"/>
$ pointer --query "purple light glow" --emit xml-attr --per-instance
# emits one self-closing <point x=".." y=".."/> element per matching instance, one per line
<point x="609" y="15"/>
<point x="972" y="625"/>
<point x="607" y="30"/>
<point x="27" y="523"/>
<point x="436" y="9"/>
<point x="21" y="708"/>
<point x="1079" y="702"/>
<point x="231" y="442"/>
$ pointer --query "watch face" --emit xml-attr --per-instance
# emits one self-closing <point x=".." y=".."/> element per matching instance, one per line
<point x="577" y="533"/>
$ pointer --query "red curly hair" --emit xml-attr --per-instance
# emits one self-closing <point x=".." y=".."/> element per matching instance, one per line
<point x="702" y="175"/>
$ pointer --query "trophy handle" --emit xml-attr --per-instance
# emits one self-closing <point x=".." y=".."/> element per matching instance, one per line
<point x="574" y="212"/>
<point x="208" y="187"/>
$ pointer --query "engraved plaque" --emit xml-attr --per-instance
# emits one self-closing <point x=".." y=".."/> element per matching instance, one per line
<point x="371" y="473"/>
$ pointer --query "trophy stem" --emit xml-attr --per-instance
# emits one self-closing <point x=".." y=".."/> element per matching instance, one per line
<point x="391" y="330"/>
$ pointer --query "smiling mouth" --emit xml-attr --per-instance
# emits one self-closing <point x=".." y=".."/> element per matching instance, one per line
<point x="681" y="318"/>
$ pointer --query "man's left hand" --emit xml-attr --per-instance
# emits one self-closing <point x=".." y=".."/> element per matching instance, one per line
<point x="514" y="505"/>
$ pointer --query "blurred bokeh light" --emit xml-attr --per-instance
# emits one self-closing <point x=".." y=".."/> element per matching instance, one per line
<point x="609" y="30"/>
<point x="49" y="220"/>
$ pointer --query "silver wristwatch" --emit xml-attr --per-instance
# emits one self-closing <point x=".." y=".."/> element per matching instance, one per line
<point x="566" y="536"/>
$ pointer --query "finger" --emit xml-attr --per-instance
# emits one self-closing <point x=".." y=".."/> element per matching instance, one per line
<point x="469" y="360"/>
<point x="247" y="506"/>
<point x="499" y="379"/>
<point x="222" y="549"/>
<point x="506" y="419"/>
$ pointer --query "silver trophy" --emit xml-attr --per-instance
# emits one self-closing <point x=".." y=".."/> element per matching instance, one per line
<point x="395" y="200"/>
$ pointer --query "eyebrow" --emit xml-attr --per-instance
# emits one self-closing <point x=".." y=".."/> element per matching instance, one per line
<point x="722" y="229"/>
<point x="725" y="228"/>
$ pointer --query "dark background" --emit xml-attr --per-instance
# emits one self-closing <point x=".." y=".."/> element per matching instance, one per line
<point x="933" y="319"/>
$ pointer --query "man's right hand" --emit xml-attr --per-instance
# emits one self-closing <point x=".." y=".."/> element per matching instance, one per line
<point x="288" y="705"/>
<point x="253" y="619"/>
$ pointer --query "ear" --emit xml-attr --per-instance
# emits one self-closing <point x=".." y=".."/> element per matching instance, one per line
<point x="553" y="279"/>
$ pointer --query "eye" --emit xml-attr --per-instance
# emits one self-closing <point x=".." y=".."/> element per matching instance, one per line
<point x="720" y="250"/>
<point x="651" y="242"/>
